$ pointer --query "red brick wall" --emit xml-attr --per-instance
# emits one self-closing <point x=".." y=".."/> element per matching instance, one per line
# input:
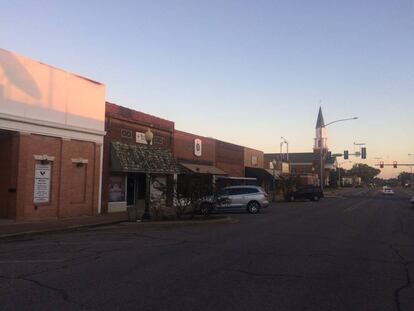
<point x="119" y="112"/>
<point x="184" y="148"/>
<point x="65" y="179"/>
<point x="8" y="168"/>
<point x="230" y="158"/>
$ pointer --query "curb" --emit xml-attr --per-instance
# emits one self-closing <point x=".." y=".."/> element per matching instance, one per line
<point x="181" y="222"/>
<point x="55" y="230"/>
<point x="121" y="222"/>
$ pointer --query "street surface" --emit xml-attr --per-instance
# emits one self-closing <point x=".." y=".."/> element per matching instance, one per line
<point x="352" y="252"/>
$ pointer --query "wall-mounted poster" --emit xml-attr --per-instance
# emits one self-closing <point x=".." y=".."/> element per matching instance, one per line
<point x="197" y="147"/>
<point x="116" y="189"/>
<point x="42" y="183"/>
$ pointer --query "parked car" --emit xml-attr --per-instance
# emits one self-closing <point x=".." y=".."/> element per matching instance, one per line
<point x="250" y="198"/>
<point x="412" y="200"/>
<point x="312" y="193"/>
<point x="387" y="191"/>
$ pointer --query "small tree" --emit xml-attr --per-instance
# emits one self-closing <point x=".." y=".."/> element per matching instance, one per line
<point x="186" y="192"/>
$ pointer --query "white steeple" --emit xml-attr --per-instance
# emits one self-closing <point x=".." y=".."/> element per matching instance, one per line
<point x="320" y="136"/>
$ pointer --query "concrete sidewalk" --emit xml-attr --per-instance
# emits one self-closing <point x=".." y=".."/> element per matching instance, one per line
<point x="10" y="229"/>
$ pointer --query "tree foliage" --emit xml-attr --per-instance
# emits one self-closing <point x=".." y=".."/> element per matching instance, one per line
<point x="366" y="172"/>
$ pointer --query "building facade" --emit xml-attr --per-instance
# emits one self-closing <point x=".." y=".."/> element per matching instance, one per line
<point x="51" y="137"/>
<point x="132" y="168"/>
<point x="197" y="157"/>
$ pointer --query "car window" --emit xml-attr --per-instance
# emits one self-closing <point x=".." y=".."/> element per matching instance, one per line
<point x="234" y="191"/>
<point x="251" y="190"/>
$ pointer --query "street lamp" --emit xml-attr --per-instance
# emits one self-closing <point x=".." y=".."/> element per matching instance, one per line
<point x="274" y="162"/>
<point x="339" y="171"/>
<point x="287" y="148"/>
<point x="147" y="216"/>
<point x="321" y="145"/>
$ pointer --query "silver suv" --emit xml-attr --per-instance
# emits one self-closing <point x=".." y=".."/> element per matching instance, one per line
<point x="251" y="198"/>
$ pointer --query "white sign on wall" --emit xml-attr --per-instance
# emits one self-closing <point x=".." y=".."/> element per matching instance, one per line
<point x="42" y="183"/>
<point x="197" y="147"/>
<point x="254" y="160"/>
<point x="140" y="138"/>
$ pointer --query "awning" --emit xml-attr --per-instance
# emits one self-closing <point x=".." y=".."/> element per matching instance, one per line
<point x="141" y="158"/>
<point x="260" y="173"/>
<point x="203" y="169"/>
<point x="277" y="173"/>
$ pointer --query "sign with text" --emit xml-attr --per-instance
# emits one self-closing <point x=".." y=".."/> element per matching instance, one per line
<point x="140" y="138"/>
<point x="42" y="183"/>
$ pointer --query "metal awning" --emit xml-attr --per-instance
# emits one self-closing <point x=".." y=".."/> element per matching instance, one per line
<point x="259" y="173"/>
<point x="203" y="169"/>
<point x="141" y="158"/>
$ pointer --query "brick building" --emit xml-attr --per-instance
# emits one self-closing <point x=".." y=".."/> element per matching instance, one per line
<point x="130" y="166"/>
<point x="229" y="158"/>
<point x="51" y="135"/>
<point x="197" y="157"/>
<point x="254" y="168"/>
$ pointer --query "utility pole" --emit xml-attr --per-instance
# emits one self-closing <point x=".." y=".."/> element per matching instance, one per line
<point x="411" y="169"/>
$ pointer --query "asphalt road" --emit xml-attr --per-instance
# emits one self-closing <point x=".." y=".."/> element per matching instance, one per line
<point x="353" y="252"/>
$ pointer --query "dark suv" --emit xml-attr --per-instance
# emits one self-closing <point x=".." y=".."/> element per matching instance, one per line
<point x="312" y="193"/>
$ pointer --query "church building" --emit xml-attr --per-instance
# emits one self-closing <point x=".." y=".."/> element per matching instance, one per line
<point x="309" y="163"/>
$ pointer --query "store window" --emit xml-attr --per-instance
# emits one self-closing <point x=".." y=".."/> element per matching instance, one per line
<point x="116" y="188"/>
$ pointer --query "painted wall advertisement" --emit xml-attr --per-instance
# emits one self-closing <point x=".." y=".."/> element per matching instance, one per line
<point x="42" y="183"/>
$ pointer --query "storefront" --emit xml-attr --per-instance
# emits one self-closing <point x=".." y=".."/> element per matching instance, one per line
<point x="133" y="168"/>
<point x="254" y="168"/>
<point x="51" y="136"/>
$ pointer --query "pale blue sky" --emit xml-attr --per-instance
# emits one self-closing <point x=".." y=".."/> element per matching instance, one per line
<point x="246" y="72"/>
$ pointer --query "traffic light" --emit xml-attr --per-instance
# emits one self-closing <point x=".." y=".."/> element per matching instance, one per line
<point x="394" y="164"/>
<point x="381" y="164"/>
<point x="346" y="155"/>
<point x="363" y="153"/>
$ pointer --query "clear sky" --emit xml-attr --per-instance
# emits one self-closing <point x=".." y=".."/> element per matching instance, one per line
<point x="246" y="72"/>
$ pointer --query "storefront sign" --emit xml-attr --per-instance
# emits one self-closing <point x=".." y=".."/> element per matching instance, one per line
<point x="42" y="183"/>
<point x="140" y="138"/>
<point x="285" y="168"/>
<point x="254" y="160"/>
<point x="197" y="147"/>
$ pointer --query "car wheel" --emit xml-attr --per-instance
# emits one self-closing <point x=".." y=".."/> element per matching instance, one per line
<point x="205" y="209"/>
<point x="315" y="198"/>
<point x="253" y="207"/>
<point x="292" y="198"/>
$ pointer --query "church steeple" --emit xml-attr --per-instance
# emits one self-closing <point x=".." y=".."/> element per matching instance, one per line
<point x="320" y="122"/>
<point x="320" y="135"/>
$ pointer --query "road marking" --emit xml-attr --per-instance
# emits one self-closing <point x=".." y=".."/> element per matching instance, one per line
<point x="354" y="207"/>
